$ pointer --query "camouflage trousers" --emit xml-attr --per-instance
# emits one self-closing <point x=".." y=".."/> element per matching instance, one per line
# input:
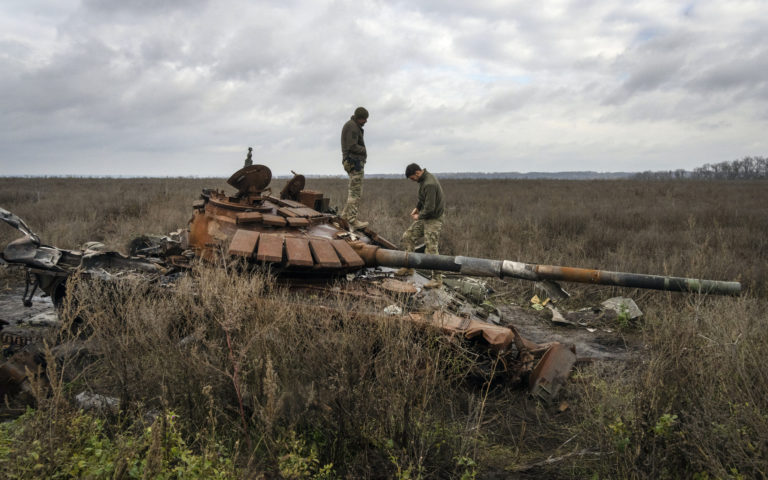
<point x="429" y="230"/>
<point x="353" y="195"/>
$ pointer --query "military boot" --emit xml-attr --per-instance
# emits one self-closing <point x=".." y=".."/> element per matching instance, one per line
<point x="357" y="224"/>
<point x="405" y="272"/>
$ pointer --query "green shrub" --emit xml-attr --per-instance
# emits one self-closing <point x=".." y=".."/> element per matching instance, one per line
<point x="82" y="448"/>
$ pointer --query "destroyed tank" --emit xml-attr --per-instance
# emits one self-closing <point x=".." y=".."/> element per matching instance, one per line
<point x="298" y="238"/>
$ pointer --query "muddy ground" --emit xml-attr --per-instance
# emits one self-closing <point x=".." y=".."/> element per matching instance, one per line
<point x="593" y="340"/>
<point x="39" y="316"/>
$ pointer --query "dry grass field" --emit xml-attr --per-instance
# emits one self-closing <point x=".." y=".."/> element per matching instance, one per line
<point x="273" y="391"/>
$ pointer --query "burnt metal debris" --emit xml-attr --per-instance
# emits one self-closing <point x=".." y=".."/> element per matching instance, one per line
<point x="301" y="240"/>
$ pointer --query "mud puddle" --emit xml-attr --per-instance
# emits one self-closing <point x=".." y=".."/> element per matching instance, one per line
<point x="601" y="344"/>
<point x="13" y="311"/>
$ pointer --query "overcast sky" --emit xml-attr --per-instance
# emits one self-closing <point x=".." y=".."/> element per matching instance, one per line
<point x="183" y="87"/>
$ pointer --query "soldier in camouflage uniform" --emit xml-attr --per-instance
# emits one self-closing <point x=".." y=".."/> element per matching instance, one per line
<point x="428" y="219"/>
<point x="353" y="155"/>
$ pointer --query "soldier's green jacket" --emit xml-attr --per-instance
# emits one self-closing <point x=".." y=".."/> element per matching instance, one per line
<point x="431" y="204"/>
<point x="352" y="143"/>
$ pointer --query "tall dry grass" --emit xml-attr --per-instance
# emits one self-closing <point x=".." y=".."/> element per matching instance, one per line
<point x="292" y="390"/>
<point x="68" y="212"/>
<point x="288" y="382"/>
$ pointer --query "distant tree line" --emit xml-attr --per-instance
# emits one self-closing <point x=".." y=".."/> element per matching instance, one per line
<point x="748" y="168"/>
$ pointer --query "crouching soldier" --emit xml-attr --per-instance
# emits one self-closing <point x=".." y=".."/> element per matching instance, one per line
<point x="427" y="219"/>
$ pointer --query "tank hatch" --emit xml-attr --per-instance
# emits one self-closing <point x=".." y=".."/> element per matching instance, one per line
<point x="252" y="179"/>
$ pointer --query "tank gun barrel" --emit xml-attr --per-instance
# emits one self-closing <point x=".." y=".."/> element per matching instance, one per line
<point x="481" y="267"/>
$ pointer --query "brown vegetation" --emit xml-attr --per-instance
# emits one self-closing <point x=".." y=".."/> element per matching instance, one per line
<point x="264" y="380"/>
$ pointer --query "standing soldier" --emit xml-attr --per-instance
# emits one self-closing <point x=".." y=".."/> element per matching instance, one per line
<point x="249" y="158"/>
<point x="353" y="156"/>
<point x="427" y="219"/>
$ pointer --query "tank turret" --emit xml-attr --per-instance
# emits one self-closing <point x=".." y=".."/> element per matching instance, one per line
<point x="292" y="232"/>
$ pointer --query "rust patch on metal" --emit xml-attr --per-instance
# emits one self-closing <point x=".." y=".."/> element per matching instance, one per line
<point x="251" y="179"/>
<point x="297" y="252"/>
<point x="314" y="200"/>
<point x="552" y="371"/>
<point x="498" y="337"/>
<point x="243" y="243"/>
<point x="366" y="252"/>
<point x="392" y="285"/>
<point x="296" y="222"/>
<point x="270" y="248"/>
<point x="248" y="217"/>
<point x="274" y="220"/>
<point x="293" y="187"/>
<point x="348" y="256"/>
<point x="304" y="212"/>
<point x="287" y="212"/>
<point x="324" y="253"/>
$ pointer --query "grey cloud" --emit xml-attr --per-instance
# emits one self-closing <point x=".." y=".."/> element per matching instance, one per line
<point x="310" y="81"/>
<point x="674" y="106"/>
<point x="254" y="49"/>
<point x="732" y="70"/>
<point x="141" y="8"/>
<point x="485" y="41"/>
<point x="654" y="64"/>
<point x="511" y="99"/>
<point x="12" y="52"/>
<point x="458" y="8"/>
<point x="66" y="83"/>
<point x="162" y="48"/>
<point x="686" y="74"/>
<point x="311" y="64"/>
<point x="653" y="73"/>
<point x="93" y="83"/>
